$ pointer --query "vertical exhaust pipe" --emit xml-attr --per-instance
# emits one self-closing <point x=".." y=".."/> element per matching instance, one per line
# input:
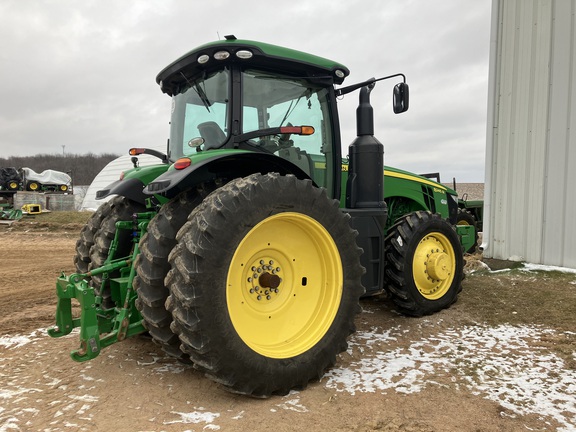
<point x="364" y="189"/>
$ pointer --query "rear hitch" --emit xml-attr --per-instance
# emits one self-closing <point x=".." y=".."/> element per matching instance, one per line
<point x="99" y="326"/>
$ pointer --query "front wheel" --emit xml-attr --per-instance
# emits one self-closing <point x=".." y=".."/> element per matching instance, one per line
<point x="265" y="283"/>
<point x="424" y="263"/>
<point x="33" y="186"/>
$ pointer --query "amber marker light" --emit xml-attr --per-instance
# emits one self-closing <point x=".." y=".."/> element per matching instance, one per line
<point x="298" y="130"/>
<point x="136" y="151"/>
<point x="182" y="163"/>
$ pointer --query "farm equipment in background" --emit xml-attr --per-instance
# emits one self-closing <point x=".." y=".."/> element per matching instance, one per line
<point x="46" y="181"/>
<point x="247" y="248"/>
<point x="32" y="209"/>
<point x="9" y="213"/>
<point x="10" y="179"/>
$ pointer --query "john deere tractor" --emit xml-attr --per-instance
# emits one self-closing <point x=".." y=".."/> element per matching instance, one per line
<point x="245" y="251"/>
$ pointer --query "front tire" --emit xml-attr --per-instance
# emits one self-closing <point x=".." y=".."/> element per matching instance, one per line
<point x="265" y="283"/>
<point x="424" y="263"/>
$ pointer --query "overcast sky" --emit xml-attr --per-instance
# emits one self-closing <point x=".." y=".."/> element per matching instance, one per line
<point x="81" y="74"/>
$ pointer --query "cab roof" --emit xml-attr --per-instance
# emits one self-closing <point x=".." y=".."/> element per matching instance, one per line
<point x="253" y="54"/>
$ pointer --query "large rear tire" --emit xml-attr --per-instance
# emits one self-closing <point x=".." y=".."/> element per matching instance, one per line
<point x="265" y="283"/>
<point x="424" y="263"/>
<point x="152" y="267"/>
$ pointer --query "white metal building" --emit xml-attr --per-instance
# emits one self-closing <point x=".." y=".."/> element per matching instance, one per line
<point x="530" y="190"/>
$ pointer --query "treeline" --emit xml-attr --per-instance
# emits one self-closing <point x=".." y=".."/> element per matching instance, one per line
<point x="82" y="168"/>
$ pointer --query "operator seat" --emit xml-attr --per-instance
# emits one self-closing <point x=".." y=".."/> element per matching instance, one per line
<point x="214" y="136"/>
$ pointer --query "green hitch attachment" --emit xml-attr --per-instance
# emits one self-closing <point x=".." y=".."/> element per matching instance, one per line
<point x="99" y="326"/>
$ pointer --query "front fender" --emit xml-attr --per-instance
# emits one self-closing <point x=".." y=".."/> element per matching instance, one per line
<point x="224" y="166"/>
<point x="130" y="188"/>
<point x="133" y="183"/>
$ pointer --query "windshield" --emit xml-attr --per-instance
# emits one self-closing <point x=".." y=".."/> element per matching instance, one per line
<point x="200" y="111"/>
<point x="271" y="100"/>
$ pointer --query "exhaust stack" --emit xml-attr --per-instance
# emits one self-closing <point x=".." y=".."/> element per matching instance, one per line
<point x="364" y="189"/>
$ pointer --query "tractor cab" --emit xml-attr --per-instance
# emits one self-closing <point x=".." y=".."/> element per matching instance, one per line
<point x="242" y="95"/>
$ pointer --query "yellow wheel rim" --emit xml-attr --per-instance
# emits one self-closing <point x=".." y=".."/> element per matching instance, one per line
<point x="33" y="186"/>
<point x="63" y="188"/>
<point x="462" y="222"/>
<point x="284" y="285"/>
<point x="12" y="185"/>
<point x="434" y="266"/>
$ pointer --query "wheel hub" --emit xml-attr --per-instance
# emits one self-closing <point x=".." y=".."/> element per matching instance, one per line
<point x="434" y="265"/>
<point x="263" y="283"/>
<point x="438" y="265"/>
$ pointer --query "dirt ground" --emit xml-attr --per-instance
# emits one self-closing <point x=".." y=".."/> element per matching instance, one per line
<point x="455" y="371"/>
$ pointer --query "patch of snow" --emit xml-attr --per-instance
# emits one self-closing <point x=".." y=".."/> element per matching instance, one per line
<point x="293" y="404"/>
<point x="541" y="267"/>
<point x="195" y="417"/>
<point x="17" y="341"/>
<point x="497" y="363"/>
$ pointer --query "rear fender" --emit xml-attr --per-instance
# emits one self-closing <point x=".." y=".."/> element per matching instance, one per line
<point x="221" y="166"/>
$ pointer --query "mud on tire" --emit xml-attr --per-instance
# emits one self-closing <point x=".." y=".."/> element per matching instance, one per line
<point x="231" y="318"/>
<point x="152" y="266"/>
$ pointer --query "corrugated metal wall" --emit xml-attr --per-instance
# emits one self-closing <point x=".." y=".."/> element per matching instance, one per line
<point x="530" y="211"/>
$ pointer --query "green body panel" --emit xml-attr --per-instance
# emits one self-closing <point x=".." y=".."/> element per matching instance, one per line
<point x="203" y="156"/>
<point x="146" y="173"/>
<point x="414" y="192"/>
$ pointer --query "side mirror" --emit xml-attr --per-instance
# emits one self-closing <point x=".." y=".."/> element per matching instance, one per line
<point x="400" y="98"/>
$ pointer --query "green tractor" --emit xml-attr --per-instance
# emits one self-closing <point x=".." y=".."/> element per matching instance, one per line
<point x="245" y="251"/>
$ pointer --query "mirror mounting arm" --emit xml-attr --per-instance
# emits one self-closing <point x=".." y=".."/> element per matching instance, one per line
<point x="348" y="89"/>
